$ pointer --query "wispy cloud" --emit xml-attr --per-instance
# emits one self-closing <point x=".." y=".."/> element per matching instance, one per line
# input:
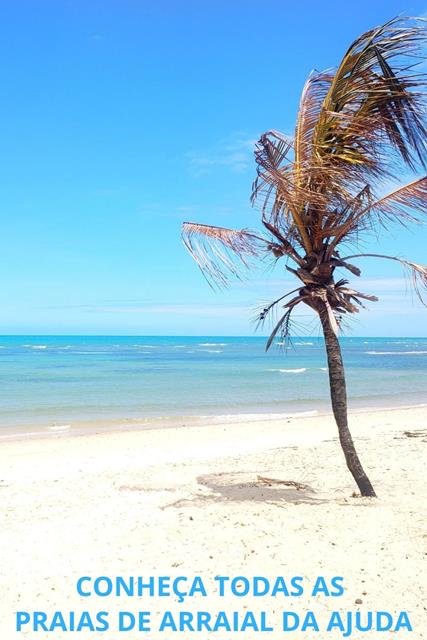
<point x="259" y="288"/>
<point x="203" y="310"/>
<point x="380" y="284"/>
<point x="193" y="310"/>
<point x="234" y="153"/>
<point x="157" y="209"/>
<point x="185" y="208"/>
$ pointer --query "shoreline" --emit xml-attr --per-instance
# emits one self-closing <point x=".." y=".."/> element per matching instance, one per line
<point x="176" y="443"/>
<point x="81" y="428"/>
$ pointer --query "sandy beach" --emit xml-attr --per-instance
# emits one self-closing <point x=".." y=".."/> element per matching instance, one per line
<point x="188" y="502"/>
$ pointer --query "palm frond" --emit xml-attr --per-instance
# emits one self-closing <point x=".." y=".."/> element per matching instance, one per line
<point x="372" y="108"/>
<point x="282" y="325"/>
<point x="404" y="204"/>
<point x="400" y="204"/>
<point x="266" y="310"/>
<point x="417" y="272"/>
<point x="220" y="252"/>
<point x="276" y="188"/>
<point x="312" y="98"/>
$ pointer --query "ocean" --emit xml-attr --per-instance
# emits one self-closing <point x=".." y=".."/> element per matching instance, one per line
<point x="50" y="383"/>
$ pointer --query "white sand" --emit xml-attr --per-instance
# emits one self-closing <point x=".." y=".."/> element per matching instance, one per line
<point x="186" y="501"/>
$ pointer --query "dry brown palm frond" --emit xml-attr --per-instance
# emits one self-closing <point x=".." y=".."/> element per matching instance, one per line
<point x="219" y="251"/>
<point x="335" y="222"/>
<point x="275" y="187"/>
<point x="404" y="204"/>
<point x="274" y="166"/>
<point x="352" y="293"/>
<point x="312" y="97"/>
<point x="417" y="272"/>
<point x="285" y="245"/>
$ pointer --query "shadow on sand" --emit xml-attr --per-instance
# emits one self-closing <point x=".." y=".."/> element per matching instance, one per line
<point x="246" y="487"/>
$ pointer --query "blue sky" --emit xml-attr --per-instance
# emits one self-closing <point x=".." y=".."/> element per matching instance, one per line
<point x="122" y="119"/>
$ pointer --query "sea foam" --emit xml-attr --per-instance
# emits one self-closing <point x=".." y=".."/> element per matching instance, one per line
<point x="212" y="344"/>
<point x="36" y="346"/>
<point x="396" y="353"/>
<point x="301" y="370"/>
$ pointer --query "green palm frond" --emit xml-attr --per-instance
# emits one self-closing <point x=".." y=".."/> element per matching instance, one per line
<point x="372" y="108"/>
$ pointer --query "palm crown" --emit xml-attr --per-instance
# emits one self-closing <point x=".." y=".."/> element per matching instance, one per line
<point x="355" y="127"/>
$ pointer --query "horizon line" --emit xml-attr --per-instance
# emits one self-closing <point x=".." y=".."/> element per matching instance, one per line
<point x="197" y="335"/>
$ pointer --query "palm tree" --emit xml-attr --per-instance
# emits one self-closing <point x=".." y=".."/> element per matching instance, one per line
<point x="357" y="127"/>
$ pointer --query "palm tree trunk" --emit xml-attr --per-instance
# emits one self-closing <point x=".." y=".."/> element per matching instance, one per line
<point x="339" y="404"/>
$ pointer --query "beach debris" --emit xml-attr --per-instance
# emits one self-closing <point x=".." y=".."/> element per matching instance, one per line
<point x="299" y="486"/>
<point x="418" y="433"/>
<point x="144" y="488"/>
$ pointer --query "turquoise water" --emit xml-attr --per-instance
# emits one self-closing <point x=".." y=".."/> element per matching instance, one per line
<point x="58" y="380"/>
